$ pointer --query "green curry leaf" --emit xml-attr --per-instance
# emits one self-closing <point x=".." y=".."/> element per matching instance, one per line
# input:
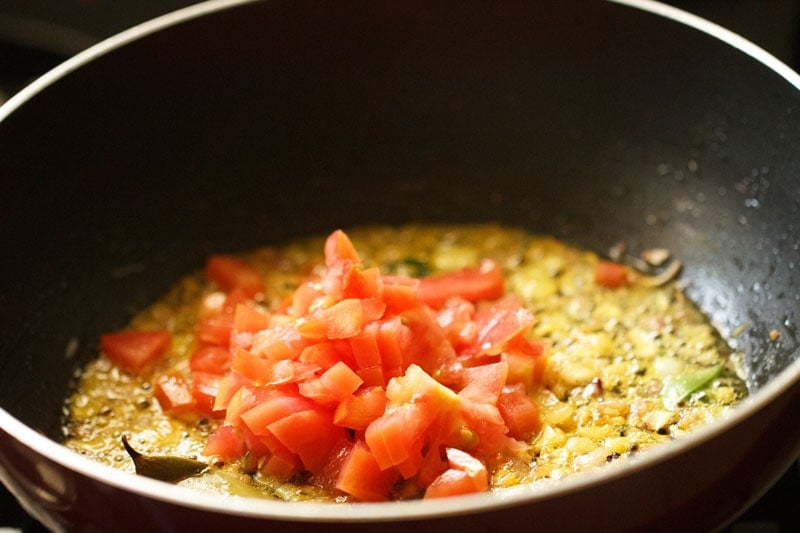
<point x="681" y="387"/>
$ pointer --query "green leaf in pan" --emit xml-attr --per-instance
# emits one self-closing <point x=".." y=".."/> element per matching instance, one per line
<point x="681" y="387"/>
<point x="171" y="469"/>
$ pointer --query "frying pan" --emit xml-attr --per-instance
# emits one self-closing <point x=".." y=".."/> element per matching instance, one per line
<point x="234" y="124"/>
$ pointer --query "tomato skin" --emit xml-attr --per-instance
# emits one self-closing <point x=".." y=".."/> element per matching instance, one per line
<point x="500" y="323"/>
<point x="520" y="412"/>
<point x="358" y="410"/>
<point x="231" y="273"/>
<point x="611" y="275"/>
<point x="310" y="434"/>
<point x="205" y="388"/>
<point x="211" y="359"/>
<point x="484" y="383"/>
<point x="485" y="282"/>
<point x="466" y="475"/>
<point x="173" y="394"/>
<point x="135" y="351"/>
<point x="249" y="319"/>
<point x="362" y="477"/>
<point x="339" y="247"/>
<point x="226" y="443"/>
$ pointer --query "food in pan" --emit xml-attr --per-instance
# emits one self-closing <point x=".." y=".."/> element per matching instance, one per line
<point x="397" y="363"/>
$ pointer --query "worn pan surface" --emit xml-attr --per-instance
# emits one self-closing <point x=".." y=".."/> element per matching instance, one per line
<point x="236" y="124"/>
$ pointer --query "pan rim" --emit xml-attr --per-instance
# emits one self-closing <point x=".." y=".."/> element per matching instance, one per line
<point x="373" y="512"/>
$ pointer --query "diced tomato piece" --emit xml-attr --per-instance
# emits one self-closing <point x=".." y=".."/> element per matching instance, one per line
<point x="249" y="319"/>
<point x="451" y="482"/>
<point x="338" y="247"/>
<point x="245" y="398"/>
<point x="276" y="406"/>
<point x="362" y="477"/>
<point x="466" y="475"/>
<point x="485" y="282"/>
<point x="212" y="359"/>
<point x="256" y="369"/>
<point x="395" y="435"/>
<point x="340" y="380"/>
<point x="461" y="460"/>
<point x="231" y="273"/>
<point x="520" y="412"/>
<point x="215" y="330"/>
<point x="359" y="283"/>
<point x="262" y="371"/>
<point x="501" y="322"/>
<point x="310" y="434"/>
<point x="173" y="394"/>
<point x="433" y="465"/>
<point x="365" y="347"/>
<point x="225" y="443"/>
<point x="359" y="409"/>
<point x="372" y="376"/>
<point x="392" y="339"/>
<point x="205" y="388"/>
<point x="322" y="354"/>
<point x="333" y="386"/>
<point x="430" y="348"/>
<point x="344" y="319"/>
<point x="135" y="351"/>
<point x="304" y="296"/>
<point x="400" y="292"/>
<point x="282" y="464"/>
<point x="484" y="383"/>
<point x="456" y="319"/>
<point x="611" y="275"/>
<point x="281" y="341"/>
<point x="526" y="361"/>
<point x="417" y="385"/>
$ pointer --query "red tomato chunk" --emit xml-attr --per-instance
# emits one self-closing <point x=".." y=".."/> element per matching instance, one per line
<point x="135" y="351"/>
<point x="366" y="382"/>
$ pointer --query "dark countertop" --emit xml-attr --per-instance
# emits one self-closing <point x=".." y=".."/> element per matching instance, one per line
<point x="36" y="35"/>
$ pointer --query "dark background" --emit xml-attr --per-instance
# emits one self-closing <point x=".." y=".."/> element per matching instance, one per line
<point x="36" y="35"/>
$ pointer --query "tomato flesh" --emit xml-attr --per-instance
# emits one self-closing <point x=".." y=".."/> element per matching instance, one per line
<point x="361" y="379"/>
<point x="135" y="351"/>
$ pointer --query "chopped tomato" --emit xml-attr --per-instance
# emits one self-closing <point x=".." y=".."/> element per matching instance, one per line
<point x="396" y="435"/>
<point x="212" y="359"/>
<point x="611" y="275"/>
<point x="466" y="475"/>
<point x="430" y="348"/>
<point x="333" y="386"/>
<point x="500" y="322"/>
<point x="519" y="411"/>
<point x="173" y="394"/>
<point x="338" y="247"/>
<point x="400" y="292"/>
<point x="526" y="361"/>
<point x="484" y="383"/>
<point x="353" y="379"/>
<point x="362" y="477"/>
<point x="249" y="319"/>
<point x="232" y="273"/>
<point x="359" y="409"/>
<point x="205" y="388"/>
<point x="310" y="434"/>
<point x="343" y="319"/>
<point x="135" y="351"/>
<point x="225" y="443"/>
<point x="472" y="283"/>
